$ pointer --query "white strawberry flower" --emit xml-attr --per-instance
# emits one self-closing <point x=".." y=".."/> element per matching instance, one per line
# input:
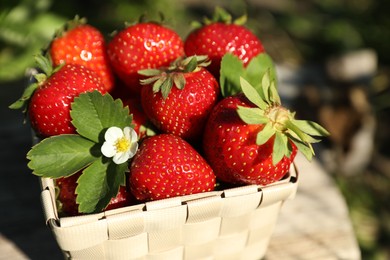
<point x="120" y="144"/>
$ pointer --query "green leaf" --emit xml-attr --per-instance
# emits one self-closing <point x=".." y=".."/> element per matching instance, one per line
<point x="265" y="84"/>
<point x="158" y="83"/>
<point x="265" y="134"/>
<point x="274" y="95"/>
<point x="44" y="64"/>
<point x="179" y="80"/>
<point x="221" y="15"/>
<point x="241" y="20"/>
<point x="305" y="149"/>
<point x="252" y="94"/>
<point x="149" y="72"/>
<point x="98" y="184"/>
<point x="150" y="80"/>
<point x="299" y="134"/>
<point x="166" y="87"/>
<point x="280" y="148"/>
<point x="22" y="102"/>
<point x="310" y="127"/>
<point x="252" y="115"/>
<point x="93" y="112"/>
<point x="191" y="65"/>
<point x="62" y="155"/>
<point x="257" y="67"/>
<point x="231" y="70"/>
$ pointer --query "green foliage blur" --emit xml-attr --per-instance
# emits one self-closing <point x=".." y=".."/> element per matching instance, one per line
<point x="297" y="31"/>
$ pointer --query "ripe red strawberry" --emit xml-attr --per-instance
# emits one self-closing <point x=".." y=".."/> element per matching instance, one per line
<point x="179" y="99"/>
<point x="167" y="166"/>
<point x="49" y="99"/>
<point x="140" y="120"/>
<point x="253" y="140"/>
<point x="81" y="43"/>
<point x="142" y="46"/>
<point x="67" y="196"/>
<point x="219" y="36"/>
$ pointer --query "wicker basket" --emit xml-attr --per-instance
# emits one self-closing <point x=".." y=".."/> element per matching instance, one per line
<point x="235" y="223"/>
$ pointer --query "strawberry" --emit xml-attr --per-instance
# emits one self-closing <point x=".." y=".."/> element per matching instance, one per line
<point x="167" y="166"/>
<point x="49" y="99"/>
<point x="179" y="99"/>
<point x="67" y="195"/>
<point x="142" y="46"/>
<point x="219" y="36"/>
<point x="81" y="43"/>
<point x="140" y="120"/>
<point x="251" y="139"/>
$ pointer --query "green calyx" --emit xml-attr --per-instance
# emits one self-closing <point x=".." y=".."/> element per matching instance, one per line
<point x="164" y="79"/>
<point x="278" y="121"/>
<point x="143" y="18"/>
<point x="45" y="65"/>
<point x="70" y="25"/>
<point x="220" y="15"/>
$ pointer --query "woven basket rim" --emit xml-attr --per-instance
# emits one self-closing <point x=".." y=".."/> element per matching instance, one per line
<point x="52" y="216"/>
<point x="143" y="229"/>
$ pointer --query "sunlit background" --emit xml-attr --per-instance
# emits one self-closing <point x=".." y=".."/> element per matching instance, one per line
<point x="333" y="60"/>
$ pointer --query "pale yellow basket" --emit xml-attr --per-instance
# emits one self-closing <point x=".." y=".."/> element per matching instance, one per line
<point x="234" y="223"/>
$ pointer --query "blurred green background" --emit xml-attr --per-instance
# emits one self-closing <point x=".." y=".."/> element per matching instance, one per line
<point x="311" y="39"/>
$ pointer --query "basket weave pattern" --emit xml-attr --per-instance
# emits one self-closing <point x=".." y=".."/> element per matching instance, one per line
<point x="234" y="223"/>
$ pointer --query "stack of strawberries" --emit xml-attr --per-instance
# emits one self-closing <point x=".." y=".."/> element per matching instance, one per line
<point x="149" y="116"/>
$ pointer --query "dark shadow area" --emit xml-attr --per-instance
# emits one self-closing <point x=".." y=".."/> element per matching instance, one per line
<point x="21" y="220"/>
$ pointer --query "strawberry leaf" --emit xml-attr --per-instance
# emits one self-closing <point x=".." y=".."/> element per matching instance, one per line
<point x="221" y="15"/>
<point x="257" y="67"/>
<point x="27" y="93"/>
<point x="280" y="148"/>
<point x="191" y="65"/>
<point x="179" y="80"/>
<point x="265" y="86"/>
<point x="93" y="112"/>
<point x="158" y="83"/>
<point x="231" y="70"/>
<point x="44" y="64"/>
<point x="274" y="95"/>
<point x="310" y="127"/>
<point x="241" y="20"/>
<point x="149" y="72"/>
<point x="62" y="155"/>
<point x="166" y="87"/>
<point x="150" y="80"/>
<point x="265" y="134"/>
<point x="252" y="94"/>
<point x="305" y="149"/>
<point x="98" y="184"/>
<point x="252" y="115"/>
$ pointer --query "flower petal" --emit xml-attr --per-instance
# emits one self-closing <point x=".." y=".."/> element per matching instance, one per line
<point x="108" y="149"/>
<point x="133" y="136"/>
<point x="126" y="132"/>
<point x="113" y="134"/>
<point x="133" y="149"/>
<point x="121" y="157"/>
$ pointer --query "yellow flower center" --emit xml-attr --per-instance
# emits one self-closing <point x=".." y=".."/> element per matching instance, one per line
<point x="122" y="145"/>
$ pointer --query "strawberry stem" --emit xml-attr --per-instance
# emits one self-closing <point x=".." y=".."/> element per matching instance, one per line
<point x="279" y="117"/>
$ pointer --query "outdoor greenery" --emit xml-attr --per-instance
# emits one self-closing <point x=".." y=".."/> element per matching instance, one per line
<point x="298" y="32"/>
